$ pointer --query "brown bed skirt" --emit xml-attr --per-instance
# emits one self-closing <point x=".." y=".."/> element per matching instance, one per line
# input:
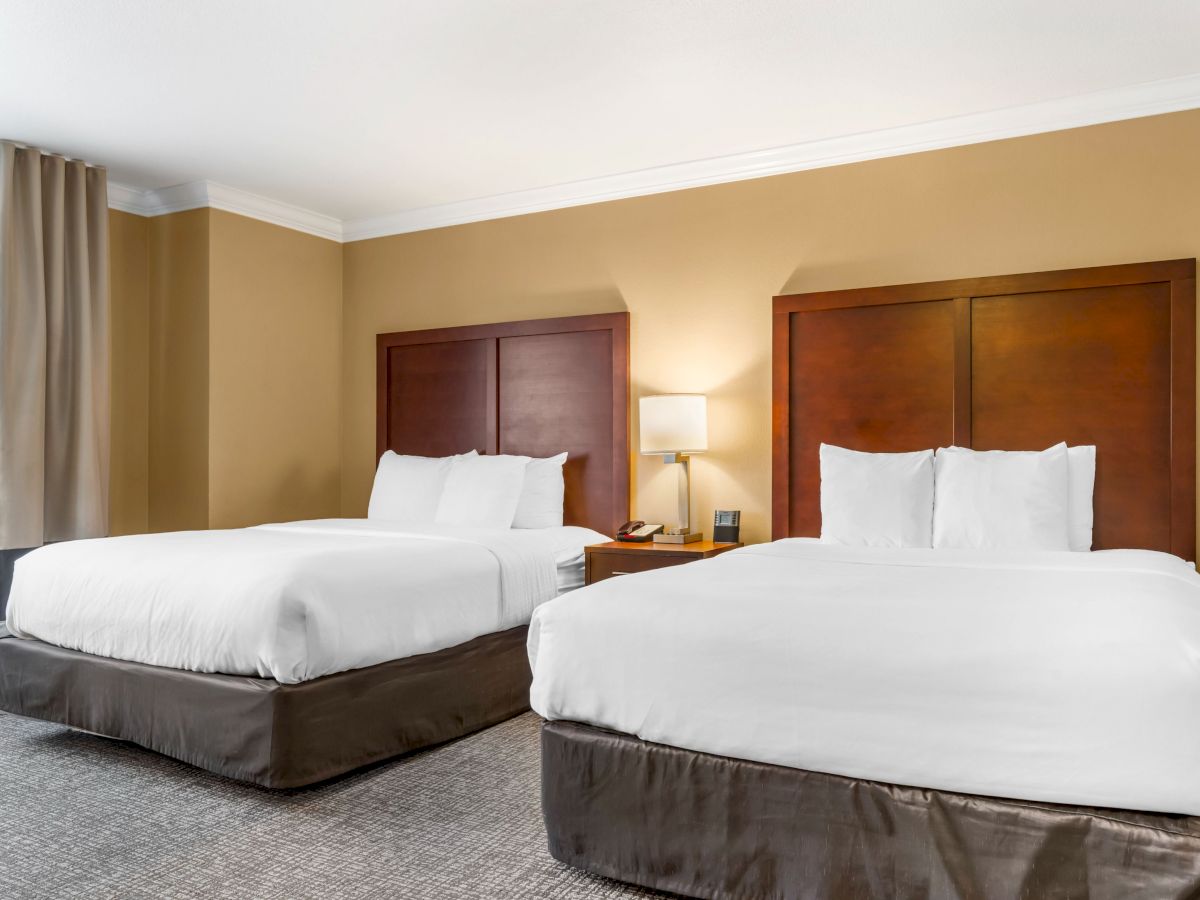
<point x="271" y="734"/>
<point x="709" y="826"/>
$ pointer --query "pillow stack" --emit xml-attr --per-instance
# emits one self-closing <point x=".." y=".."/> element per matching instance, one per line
<point x="469" y="490"/>
<point x="959" y="498"/>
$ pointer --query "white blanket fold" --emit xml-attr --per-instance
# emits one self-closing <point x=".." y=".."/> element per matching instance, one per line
<point x="1061" y="677"/>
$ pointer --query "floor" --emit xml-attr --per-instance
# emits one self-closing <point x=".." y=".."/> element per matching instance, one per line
<point x="82" y="816"/>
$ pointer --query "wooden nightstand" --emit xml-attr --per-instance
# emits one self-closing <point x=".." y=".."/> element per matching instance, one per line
<point x="619" y="558"/>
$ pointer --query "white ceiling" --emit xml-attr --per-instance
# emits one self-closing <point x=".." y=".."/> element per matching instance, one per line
<point x="375" y="107"/>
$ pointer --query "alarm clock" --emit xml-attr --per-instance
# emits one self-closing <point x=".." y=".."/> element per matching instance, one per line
<point x="727" y="525"/>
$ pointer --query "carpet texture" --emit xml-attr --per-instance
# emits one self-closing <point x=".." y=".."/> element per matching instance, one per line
<point x="82" y="816"/>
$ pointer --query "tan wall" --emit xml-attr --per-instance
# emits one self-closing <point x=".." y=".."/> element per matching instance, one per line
<point x="275" y="321"/>
<point x="129" y="325"/>
<point x="226" y="351"/>
<point x="697" y="270"/>
<point x="178" y="405"/>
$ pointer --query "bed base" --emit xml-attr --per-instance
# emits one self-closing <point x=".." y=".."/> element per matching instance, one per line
<point x="708" y="826"/>
<point x="271" y="734"/>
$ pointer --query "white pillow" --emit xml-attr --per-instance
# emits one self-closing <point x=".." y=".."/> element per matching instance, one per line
<point x="996" y="499"/>
<point x="408" y="488"/>
<point x="876" y="499"/>
<point x="1081" y="471"/>
<point x="482" y="491"/>
<point x="541" y="503"/>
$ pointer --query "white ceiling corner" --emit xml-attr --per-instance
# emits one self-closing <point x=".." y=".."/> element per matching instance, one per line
<point x="199" y="194"/>
<point x="380" y="117"/>
<point x="1170" y="95"/>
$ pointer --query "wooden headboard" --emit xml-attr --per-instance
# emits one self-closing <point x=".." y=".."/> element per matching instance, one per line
<point x="532" y="388"/>
<point x="1103" y="356"/>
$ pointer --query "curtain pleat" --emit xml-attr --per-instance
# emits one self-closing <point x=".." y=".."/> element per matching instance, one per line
<point x="54" y="368"/>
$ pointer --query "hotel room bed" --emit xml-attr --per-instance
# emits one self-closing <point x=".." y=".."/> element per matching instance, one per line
<point x="804" y="720"/>
<point x="799" y="719"/>
<point x="971" y="671"/>
<point x="282" y="654"/>
<point x="285" y="654"/>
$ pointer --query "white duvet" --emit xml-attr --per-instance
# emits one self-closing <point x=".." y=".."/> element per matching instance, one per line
<point x="290" y="602"/>
<point x="1061" y="677"/>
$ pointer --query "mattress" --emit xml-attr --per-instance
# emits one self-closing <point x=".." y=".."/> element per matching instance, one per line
<point x="290" y="602"/>
<point x="1056" y="677"/>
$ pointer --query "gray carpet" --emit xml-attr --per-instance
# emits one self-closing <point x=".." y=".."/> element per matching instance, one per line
<point x="82" y="816"/>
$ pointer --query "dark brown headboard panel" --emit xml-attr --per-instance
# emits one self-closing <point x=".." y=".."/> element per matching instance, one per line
<point x="534" y="388"/>
<point x="1103" y="356"/>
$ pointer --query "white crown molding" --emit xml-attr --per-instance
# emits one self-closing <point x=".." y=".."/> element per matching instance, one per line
<point x="124" y="198"/>
<point x="200" y="194"/>
<point x="1054" y="115"/>
<point x="1153" y="98"/>
<point x="246" y="204"/>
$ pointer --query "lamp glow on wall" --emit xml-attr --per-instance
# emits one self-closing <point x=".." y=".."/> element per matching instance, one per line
<point x="674" y="426"/>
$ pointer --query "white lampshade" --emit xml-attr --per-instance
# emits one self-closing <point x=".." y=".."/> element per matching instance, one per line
<point x="674" y="423"/>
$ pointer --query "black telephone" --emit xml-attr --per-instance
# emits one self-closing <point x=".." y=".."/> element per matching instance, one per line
<point x="727" y="526"/>
<point x="637" y="532"/>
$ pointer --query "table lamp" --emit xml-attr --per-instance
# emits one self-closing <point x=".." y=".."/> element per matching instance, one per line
<point x="673" y="426"/>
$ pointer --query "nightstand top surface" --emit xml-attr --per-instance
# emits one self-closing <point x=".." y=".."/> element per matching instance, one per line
<point x="696" y="548"/>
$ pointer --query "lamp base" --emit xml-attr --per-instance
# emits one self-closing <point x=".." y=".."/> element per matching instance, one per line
<point x="688" y="537"/>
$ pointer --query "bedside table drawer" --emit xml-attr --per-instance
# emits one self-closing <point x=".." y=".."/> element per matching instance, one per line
<point x="609" y="565"/>
<point x="614" y="559"/>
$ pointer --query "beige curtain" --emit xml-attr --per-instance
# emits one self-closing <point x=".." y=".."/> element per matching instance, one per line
<point x="53" y="348"/>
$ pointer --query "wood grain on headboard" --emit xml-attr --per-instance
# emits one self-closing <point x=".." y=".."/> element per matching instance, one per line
<point x="1103" y="356"/>
<point x="532" y="388"/>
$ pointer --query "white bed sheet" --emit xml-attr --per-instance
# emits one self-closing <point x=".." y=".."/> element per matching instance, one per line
<point x="292" y="601"/>
<point x="1052" y="676"/>
<point x="570" y="569"/>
